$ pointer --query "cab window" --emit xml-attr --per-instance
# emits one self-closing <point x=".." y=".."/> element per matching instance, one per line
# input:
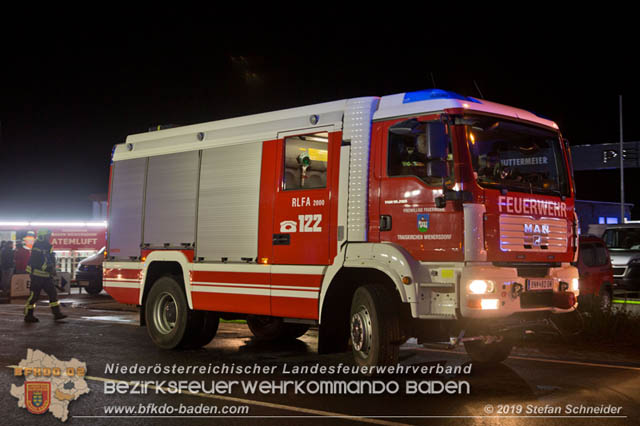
<point x="420" y="149"/>
<point x="305" y="161"/>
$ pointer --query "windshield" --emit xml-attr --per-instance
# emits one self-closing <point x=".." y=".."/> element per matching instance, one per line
<point x="516" y="157"/>
<point x="623" y="238"/>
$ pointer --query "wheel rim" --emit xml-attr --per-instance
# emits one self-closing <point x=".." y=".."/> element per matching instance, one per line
<point x="361" y="331"/>
<point x="165" y="313"/>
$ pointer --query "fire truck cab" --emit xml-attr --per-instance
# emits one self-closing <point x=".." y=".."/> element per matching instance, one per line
<point x="423" y="214"/>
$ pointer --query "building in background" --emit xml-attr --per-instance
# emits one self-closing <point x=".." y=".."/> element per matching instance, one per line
<point x="72" y="241"/>
<point x="600" y="213"/>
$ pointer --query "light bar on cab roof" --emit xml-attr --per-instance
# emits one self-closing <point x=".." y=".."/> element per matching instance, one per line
<point x="102" y="224"/>
<point x="433" y="94"/>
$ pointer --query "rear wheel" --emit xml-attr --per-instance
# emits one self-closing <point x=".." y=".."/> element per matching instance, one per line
<point x="170" y="322"/>
<point x="488" y="353"/>
<point x="374" y="327"/>
<point x="204" y="329"/>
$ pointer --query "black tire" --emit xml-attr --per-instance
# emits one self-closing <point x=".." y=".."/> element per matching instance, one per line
<point x="271" y="328"/>
<point x="488" y="354"/>
<point x="606" y="298"/>
<point x="374" y="326"/>
<point x="94" y="287"/>
<point x="204" y="329"/>
<point x="266" y="328"/>
<point x="293" y="331"/>
<point x="168" y="316"/>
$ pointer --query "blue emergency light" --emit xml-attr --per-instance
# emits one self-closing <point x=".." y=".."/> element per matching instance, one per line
<point x="433" y="94"/>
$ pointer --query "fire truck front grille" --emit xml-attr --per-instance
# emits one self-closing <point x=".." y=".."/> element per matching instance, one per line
<point x="525" y="233"/>
<point x="536" y="299"/>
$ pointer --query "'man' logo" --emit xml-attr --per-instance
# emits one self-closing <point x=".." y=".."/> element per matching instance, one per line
<point x="37" y="396"/>
<point x="530" y="228"/>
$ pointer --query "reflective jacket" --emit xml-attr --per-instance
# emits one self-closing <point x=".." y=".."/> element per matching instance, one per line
<point x="43" y="261"/>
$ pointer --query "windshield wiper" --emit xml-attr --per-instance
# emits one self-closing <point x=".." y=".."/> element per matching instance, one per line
<point x="555" y="192"/>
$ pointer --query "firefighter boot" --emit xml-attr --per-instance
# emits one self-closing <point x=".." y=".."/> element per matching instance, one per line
<point x="57" y="315"/>
<point x="29" y="317"/>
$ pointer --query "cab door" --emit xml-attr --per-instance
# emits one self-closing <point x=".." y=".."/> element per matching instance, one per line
<point x="410" y="181"/>
<point x="303" y="199"/>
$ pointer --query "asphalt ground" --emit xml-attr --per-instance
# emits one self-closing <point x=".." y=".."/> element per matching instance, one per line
<point x="541" y="379"/>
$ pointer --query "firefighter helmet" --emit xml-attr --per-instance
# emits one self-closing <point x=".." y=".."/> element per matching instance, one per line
<point x="44" y="234"/>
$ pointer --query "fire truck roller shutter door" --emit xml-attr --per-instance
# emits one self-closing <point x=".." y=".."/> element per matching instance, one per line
<point x="170" y="201"/>
<point x="228" y="202"/>
<point x="125" y="215"/>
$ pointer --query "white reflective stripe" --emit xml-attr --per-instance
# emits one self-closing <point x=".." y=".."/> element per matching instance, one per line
<point x="195" y="283"/>
<point x="264" y="269"/>
<point x="231" y="290"/>
<point x="298" y="269"/>
<point x="108" y="283"/>
<point x="121" y="280"/>
<point x="256" y="291"/>
<point x="210" y="284"/>
<point x="231" y="267"/>
<point x="291" y="293"/>
<point x="296" y="288"/>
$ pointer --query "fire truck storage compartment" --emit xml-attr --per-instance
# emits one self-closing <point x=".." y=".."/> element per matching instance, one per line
<point x="170" y="200"/>
<point x="126" y="208"/>
<point x="228" y="202"/>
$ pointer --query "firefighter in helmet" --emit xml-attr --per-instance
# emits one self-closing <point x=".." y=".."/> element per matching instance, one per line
<point x="42" y="268"/>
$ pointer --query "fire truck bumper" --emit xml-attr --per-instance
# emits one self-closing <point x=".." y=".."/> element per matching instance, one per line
<point x="488" y="291"/>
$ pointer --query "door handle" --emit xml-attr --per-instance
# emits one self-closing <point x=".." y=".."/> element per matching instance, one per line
<point x="281" y="239"/>
<point x="385" y="222"/>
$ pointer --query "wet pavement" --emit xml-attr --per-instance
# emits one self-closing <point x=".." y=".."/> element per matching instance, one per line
<point x="106" y="336"/>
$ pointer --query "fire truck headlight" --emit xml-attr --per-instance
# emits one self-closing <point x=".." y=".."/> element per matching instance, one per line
<point x="489" y="303"/>
<point x="480" y="287"/>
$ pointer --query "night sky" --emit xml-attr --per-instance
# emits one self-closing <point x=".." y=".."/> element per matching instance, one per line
<point x="69" y="93"/>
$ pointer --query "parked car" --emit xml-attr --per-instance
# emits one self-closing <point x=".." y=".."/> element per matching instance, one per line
<point x="89" y="273"/>
<point x="594" y="267"/>
<point x="623" y="242"/>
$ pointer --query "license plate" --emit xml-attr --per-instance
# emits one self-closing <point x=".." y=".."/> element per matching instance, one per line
<point x="537" y="285"/>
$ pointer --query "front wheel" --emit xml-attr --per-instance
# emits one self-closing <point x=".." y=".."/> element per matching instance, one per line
<point x="488" y="353"/>
<point x="374" y="327"/>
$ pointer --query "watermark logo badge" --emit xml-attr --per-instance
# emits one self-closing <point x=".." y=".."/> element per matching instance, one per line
<point x="37" y="396"/>
<point x="50" y="385"/>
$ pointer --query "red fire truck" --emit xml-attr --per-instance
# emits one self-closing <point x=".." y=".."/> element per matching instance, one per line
<point x="424" y="214"/>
